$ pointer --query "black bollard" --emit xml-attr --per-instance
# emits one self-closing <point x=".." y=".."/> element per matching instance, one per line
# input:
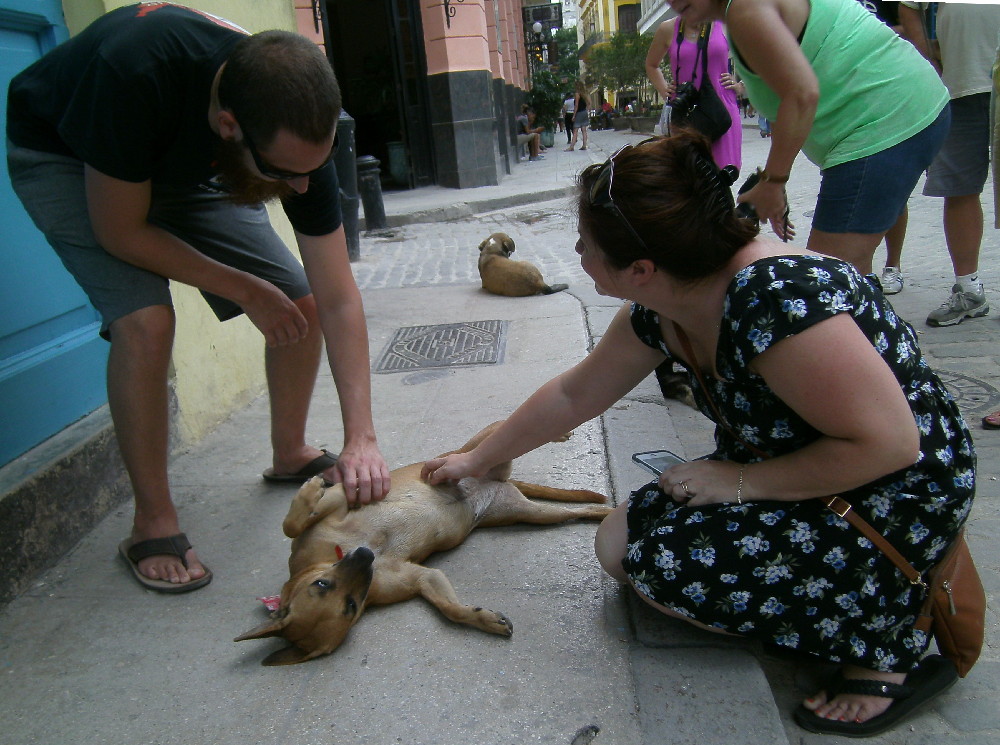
<point x="347" y="174"/>
<point x="370" y="191"/>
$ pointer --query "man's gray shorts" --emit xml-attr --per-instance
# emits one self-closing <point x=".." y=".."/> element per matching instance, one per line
<point x="963" y="162"/>
<point x="51" y="187"/>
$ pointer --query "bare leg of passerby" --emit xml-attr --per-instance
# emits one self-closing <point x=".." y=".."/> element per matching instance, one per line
<point x="584" y="130"/>
<point x="291" y="377"/>
<point x="892" y="274"/>
<point x="138" y="362"/>
<point x="572" y="142"/>
<point x="963" y="232"/>
<point x="855" y="248"/>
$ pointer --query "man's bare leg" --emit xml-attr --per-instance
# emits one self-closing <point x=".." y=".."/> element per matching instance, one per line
<point x="291" y="377"/>
<point x="138" y="362"/>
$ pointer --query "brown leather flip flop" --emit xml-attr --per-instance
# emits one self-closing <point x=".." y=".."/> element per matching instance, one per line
<point x="174" y="545"/>
<point x="310" y="469"/>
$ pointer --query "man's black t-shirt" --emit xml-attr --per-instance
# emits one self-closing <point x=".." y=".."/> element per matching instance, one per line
<point x="130" y="96"/>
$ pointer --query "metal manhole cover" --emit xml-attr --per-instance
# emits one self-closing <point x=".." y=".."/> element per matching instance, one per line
<point x="444" y="345"/>
<point x="970" y="393"/>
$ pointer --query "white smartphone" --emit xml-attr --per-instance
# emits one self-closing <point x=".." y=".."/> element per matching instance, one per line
<point x="657" y="461"/>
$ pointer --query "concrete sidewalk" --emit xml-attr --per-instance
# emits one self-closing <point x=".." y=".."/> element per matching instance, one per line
<point x="85" y="656"/>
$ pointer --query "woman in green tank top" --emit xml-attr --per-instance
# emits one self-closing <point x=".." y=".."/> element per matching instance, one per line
<point x="840" y="86"/>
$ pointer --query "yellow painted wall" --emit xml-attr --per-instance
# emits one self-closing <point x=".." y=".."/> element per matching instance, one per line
<point x="218" y="367"/>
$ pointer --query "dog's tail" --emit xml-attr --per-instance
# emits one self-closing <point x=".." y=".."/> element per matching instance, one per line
<point x="558" y="495"/>
<point x="549" y="289"/>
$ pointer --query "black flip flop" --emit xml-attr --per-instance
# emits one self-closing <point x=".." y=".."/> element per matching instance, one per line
<point x="310" y="469"/>
<point x="174" y="545"/>
<point x="932" y="676"/>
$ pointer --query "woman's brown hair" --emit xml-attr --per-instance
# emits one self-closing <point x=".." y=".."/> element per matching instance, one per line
<point x="676" y="201"/>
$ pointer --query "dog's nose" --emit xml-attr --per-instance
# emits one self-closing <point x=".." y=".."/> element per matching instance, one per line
<point x="362" y="556"/>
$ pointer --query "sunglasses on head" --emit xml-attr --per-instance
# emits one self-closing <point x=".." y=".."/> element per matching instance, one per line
<point x="269" y="171"/>
<point x="600" y="191"/>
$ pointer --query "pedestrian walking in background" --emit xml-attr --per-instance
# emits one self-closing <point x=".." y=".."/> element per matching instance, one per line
<point x="967" y="40"/>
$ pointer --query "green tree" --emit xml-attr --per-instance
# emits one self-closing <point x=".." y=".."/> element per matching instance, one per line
<point x="620" y="63"/>
<point x="546" y="97"/>
<point x="567" y="50"/>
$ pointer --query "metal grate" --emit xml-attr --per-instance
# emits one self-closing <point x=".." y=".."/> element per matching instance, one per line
<point x="444" y="345"/>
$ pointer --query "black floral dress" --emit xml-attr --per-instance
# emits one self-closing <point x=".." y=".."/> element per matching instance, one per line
<point x="794" y="573"/>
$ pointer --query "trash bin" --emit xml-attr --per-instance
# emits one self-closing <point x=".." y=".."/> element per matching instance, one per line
<point x="370" y="190"/>
<point x="346" y="164"/>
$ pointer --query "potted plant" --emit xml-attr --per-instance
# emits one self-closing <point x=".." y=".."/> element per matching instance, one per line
<point x="546" y="99"/>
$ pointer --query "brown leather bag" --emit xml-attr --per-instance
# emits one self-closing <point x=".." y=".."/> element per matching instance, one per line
<point x="955" y="607"/>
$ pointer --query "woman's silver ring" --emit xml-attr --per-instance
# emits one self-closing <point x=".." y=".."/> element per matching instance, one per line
<point x="684" y="485"/>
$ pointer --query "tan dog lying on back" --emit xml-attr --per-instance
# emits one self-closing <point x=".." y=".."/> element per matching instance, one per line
<point x="344" y="560"/>
<point x="501" y="275"/>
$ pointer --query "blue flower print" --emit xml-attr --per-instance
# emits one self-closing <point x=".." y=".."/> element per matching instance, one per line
<point x="741" y="402"/>
<point x="835" y="558"/>
<point x="705" y="555"/>
<point x="665" y="561"/>
<point x="746" y="627"/>
<point x="781" y="430"/>
<point x="924" y="423"/>
<point x="695" y="517"/>
<point x="751" y="545"/>
<point x="813" y="587"/>
<point x="849" y="602"/>
<point x="732" y="526"/>
<point x="828" y="627"/>
<point x="917" y="533"/>
<point x="771" y="518"/>
<point x="695" y="591"/>
<point x="729" y="579"/>
<point x="858" y="647"/>
<point x="881" y="343"/>
<point x="761" y="340"/>
<point x="794" y="308"/>
<point x="803" y="534"/>
<point x="750" y="433"/>
<point x="965" y="479"/>
<point x="821" y="276"/>
<point x="772" y="607"/>
<point x="737" y="601"/>
<point x="772" y="574"/>
<point x="904" y="351"/>
<point x="743" y="276"/>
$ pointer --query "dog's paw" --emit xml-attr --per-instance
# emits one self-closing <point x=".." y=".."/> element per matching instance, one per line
<point x="494" y="623"/>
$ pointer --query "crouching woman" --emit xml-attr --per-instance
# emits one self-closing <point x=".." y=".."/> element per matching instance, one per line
<point x="816" y="388"/>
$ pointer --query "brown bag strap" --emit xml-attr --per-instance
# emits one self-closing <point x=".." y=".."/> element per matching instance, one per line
<point x="836" y="504"/>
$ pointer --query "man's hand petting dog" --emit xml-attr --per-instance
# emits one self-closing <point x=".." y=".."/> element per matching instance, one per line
<point x="363" y="474"/>
<point x="450" y="468"/>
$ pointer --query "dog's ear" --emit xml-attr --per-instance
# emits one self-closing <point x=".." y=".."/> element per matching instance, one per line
<point x="483" y="245"/>
<point x="267" y="629"/>
<point x="508" y="245"/>
<point x="290" y="655"/>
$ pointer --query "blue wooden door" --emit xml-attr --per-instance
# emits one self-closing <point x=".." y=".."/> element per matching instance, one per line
<point x="52" y="362"/>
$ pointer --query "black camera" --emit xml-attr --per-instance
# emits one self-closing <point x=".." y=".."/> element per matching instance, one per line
<point x="684" y="101"/>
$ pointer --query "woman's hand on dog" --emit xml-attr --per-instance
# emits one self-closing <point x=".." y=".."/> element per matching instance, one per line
<point x="451" y="467"/>
<point x="362" y="471"/>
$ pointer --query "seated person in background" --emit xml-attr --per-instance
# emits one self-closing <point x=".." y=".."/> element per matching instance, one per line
<point x="528" y="134"/>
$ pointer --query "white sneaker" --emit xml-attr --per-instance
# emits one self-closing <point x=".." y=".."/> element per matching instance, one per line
<point x="959" y="306"/>
<point x="892" y="280"/>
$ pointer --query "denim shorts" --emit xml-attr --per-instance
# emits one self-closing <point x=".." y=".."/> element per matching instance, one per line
<point x="51" y="188"/>
<point x="868" y="195"/>
<point x="963" y="163"/>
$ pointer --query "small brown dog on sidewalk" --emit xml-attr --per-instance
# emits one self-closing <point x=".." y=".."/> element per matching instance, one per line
<point x="501" y="275"/>
<point x="346" y="559"/>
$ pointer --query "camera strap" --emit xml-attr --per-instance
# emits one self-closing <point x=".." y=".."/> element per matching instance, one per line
<point x="700" y="55"/>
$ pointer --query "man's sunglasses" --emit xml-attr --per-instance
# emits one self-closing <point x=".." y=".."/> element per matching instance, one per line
<point x="600" y="192"/>
<point x="269" y="171"/>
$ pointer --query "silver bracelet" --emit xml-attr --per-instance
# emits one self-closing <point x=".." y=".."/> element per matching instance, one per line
<point x="739" y="488"/>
